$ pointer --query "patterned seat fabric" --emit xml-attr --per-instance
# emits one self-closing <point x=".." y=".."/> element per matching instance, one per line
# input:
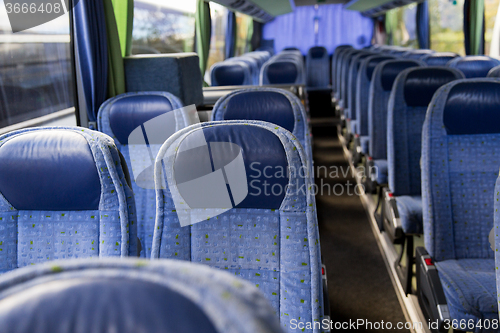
<point x="494" y="72"/>
<point x="63" y="194"/>
<point x="411" y="96"/>
<point x="129" y="296"/>
<point x="119" y="117"/>
<point x="233" y="73"/>
<point x="350" y="112"/>
<point x="474" y="66"/>
<point x="318" y="67"/>
<point x="417" y="54"/>
<point x="268" y="238"/>
<point x="272" y="105"/>
<point x="338" y="71"/>
<point x="286" y="67"/>
<point x="381" y="85"/>
<point x="347" y="60"/>
<point x="439" y="58"/>
<point x="335" y="65"/>
<point x="460" y="159"/>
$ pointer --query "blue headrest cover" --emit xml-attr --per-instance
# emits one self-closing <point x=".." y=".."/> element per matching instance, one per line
<point x="473" y="108"/>
<point x="391" y="70"/>
<point x="494" y="72"/>
<point x="263" y="154"/>
<point x="475" y="66"/>
<point x="370" y="68"/>
<point x="362" y="57"/>
<point x="317" y="52"/>
<point x="282" y="72"/>
<point x="269" y="106"/>
<point x="130" y="112"/>
<point x="97" y="304"/>
<point x="439" y="59"/>
<point x="230" y="74"/>
<point x="52" y="170"/>
<point x="422" y="83"/>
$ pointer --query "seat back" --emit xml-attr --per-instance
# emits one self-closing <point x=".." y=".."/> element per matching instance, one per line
<point x="231" y="73"/>
<point x="439" y="58"/>
<point x="280" y="72"/>
<point x="417" y="54"/>
<point x="494" y="72"/>
<point x="338" y="72"/>
<point x="412" y="93"/>
<point x="378" y="100"/>
<point x="63" y="194"/>
<point x="130" y="296"/>
<point x="352" y="83"/>
<point x="460" y="159"/>
<point x="474" y="66"/>
<point x="269" y="237"/>
<point x="318" y="67"/>
<point x="276" y="106"/>
<point x="335" y="61"/>
<point x="252" y="64"/>
<point x="363" y="88"/>
<point x="119" y="117"/>
<point x="344" y="77"/>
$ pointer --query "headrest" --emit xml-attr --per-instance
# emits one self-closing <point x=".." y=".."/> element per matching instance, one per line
<point x="291" y="48"/>
<point x="282" y="72"/>
<point x="398" y="52"/>
<point x="96" y="304"/>
<point x="317" y="52"/>
<point x="421" y="84"/>
<point x="230" y="74"/>
<point x="49" y="170"/>
<point x="129" y="112"/>
<point x="373" y="62"/>
<point x="494" y="72"/>
<point x="270" y="106"/>
<point x="391" y="70"/>
<point x="264" y="159"/>
<point x="439" y="59"/>
<point x="474" y="66"/>
<point x="473" y="107"/>
<point x="360" y="57"/>
<point x="343" y="47"/>
<point x="417" y="54"/>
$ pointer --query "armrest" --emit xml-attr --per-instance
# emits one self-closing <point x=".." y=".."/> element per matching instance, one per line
<point x="392" y="221"/>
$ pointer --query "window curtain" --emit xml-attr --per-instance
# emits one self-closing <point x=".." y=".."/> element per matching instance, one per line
<point x="248" y="47"/>
<point x="124" y="15"/>
<point x="91" y="49"/>
<point x="423" y="28"/>
<point x="203" y="34"/>
<point x="474" y="27"/>
<point x="391" y="25"/>
<point x="230" y="35"/>
<point x="256" y="35"/>
<point x="336" y="27"/>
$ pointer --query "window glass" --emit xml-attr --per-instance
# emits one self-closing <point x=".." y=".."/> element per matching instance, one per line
<point x="446" y="20"/>
<point x="242" y="33"/>
<point x="490" y="13"/>
<point x="35" y="70"/>
<point x="403" y="26"/>
<point x="163" y="26"/>
<point x="218" y="41"/>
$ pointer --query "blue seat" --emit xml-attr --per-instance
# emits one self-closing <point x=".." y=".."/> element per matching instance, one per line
<point x="439" y="58"/>
<point x="231" y="73"/>
<point x="344" y="77"/>
<point x="318" y="67"/>
<point x="494" y="72"/>
<point x="252" y="63"/>
<point x="129" y="296"/>
<point x="119" y="117"/>
<point x="63" y="194"/>
<point x="417" y="54"/>
<point x="276" y="106"/>
<point x="335" y="63"/>
<point x="268" y="237"/>
<point x="338" y="72"/>
<point x="362" y="90"/>
<point x="474" y="66"/>
<point x="460" y="159"/>
<point x="398" y="52"/>
<point x="378" y="99"/>
<point x="412" y="93"/>
<point x="281" y="72"/>
<point x="350" y="113"/>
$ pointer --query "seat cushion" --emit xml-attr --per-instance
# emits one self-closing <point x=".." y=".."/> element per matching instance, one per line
<point x="410" y="213"/>
<point x="470" y="288"/>
<point x="381" y="166"/>
<point x="365" y="143"/>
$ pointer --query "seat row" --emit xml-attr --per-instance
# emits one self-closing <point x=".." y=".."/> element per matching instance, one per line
<point x="218" y="193"/>
<point x="424" y="125"/>
<point x="239" y="71"/>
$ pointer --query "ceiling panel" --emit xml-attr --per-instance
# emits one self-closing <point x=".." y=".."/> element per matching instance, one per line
<point x="318" y="2"/>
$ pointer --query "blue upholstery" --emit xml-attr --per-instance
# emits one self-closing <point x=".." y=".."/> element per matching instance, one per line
<point x="474" y="66"/>
<point x="318" y="67"/>
<point x="71" y="199"/>
<point x="494" y="72"/>
<point x="118" y="117"/>
<point x="365" y="144"/>
<point x="272" y="105"/>
<point x="233" y="73"/>
<point x="335" y="64"/>
<point x="129" y="296"/>
<point x="458" y="173"/>
<point x="363" y="88"/>
<point x="276" y="249"/>
<point x="350" y="113"/>
<point x="380" y="90"/>
<point x="410" y="213"/>
<point x="439" y="58"/>
<point x="280" y="72"/>
<point x="496" y="234"/>
<point x="338" y="72"/>
<point x="344" y="83"/>
<point x="381" y="171"/>
<point x="417" y="54"/>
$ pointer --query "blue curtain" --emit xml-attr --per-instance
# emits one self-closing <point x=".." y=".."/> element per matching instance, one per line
<point x="91" y="46"/>
<point x="423" y="32"/>
<point x="336" y="27"/>
<point x="230" y="34"/>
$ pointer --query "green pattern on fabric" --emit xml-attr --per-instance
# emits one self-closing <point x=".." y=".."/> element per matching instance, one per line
<point x="203" y="34"/>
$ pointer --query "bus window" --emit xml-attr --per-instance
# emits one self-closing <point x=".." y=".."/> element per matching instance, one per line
<point x="446" y="20"/>
<point x="163" y="26"/>
<point x="35" y="70"/>
<point x="403" y="26"/>
<point x="490" y="13"/>
<point x="218" y="14"/>
<point x="243" y="23"/>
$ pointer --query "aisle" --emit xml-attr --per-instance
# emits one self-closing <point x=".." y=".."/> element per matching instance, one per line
<point x="359" y="285"/>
